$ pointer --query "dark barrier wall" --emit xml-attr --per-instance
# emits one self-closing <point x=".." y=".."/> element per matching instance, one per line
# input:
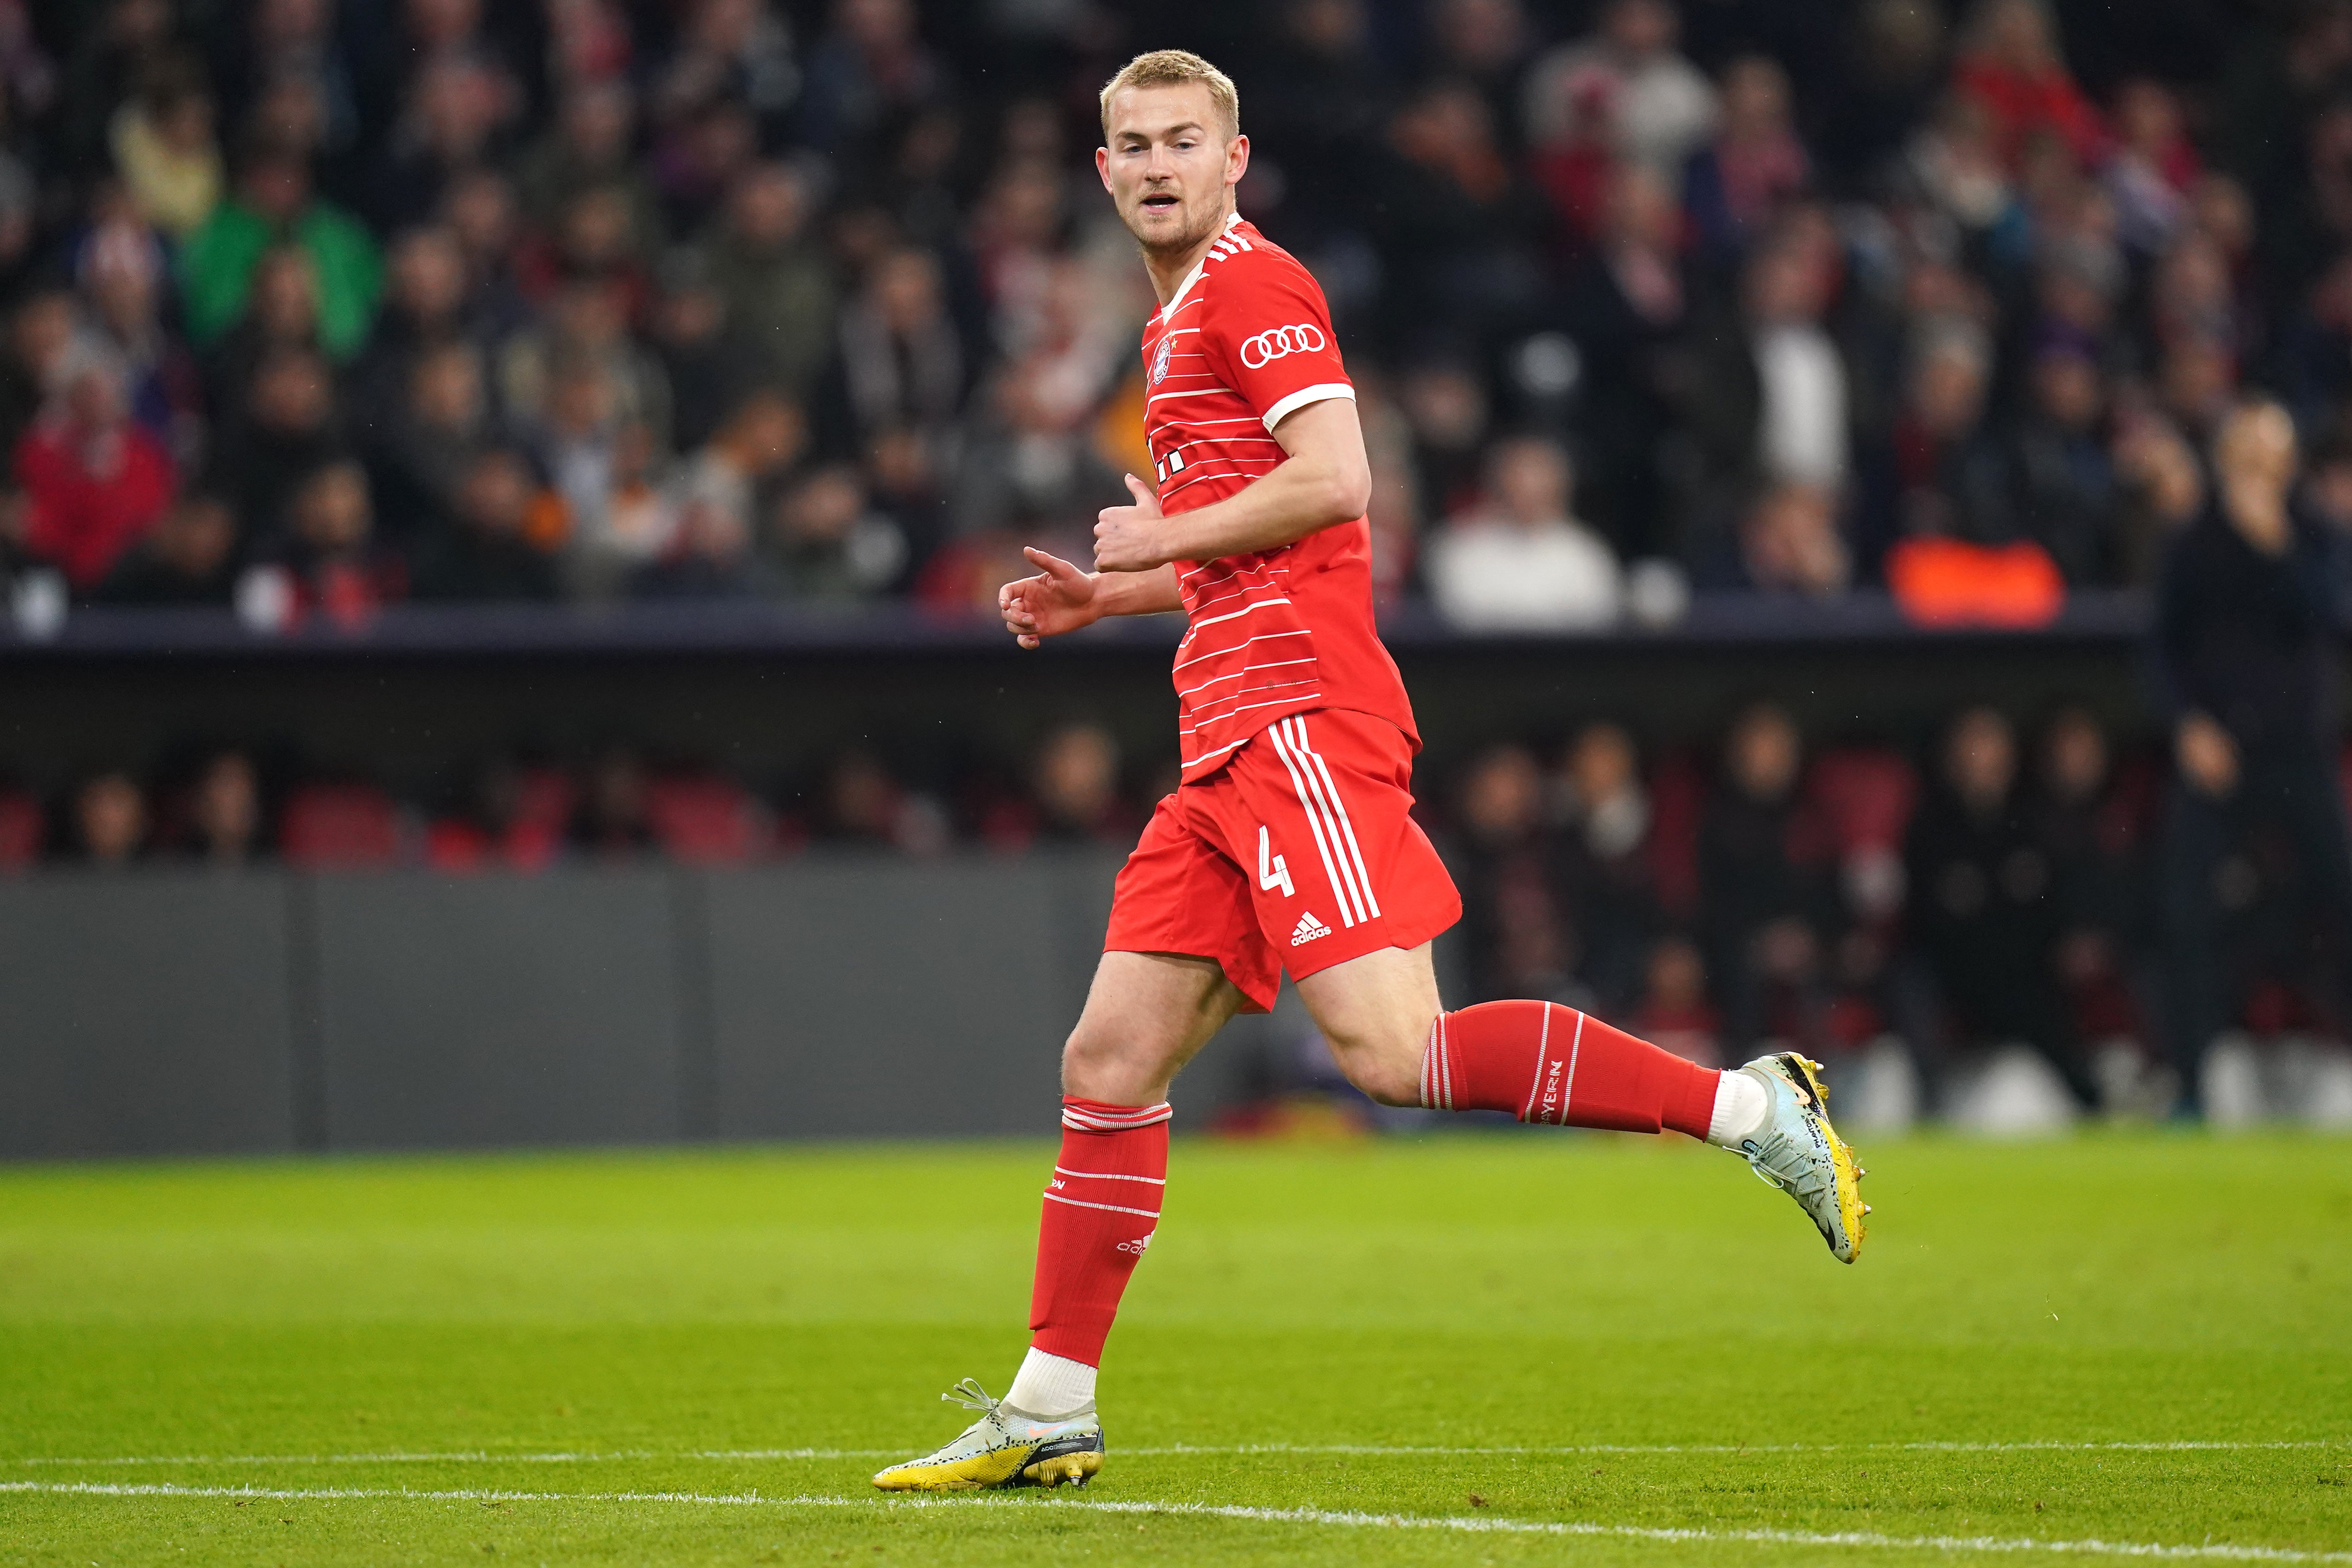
<point x="257" y="1012"/>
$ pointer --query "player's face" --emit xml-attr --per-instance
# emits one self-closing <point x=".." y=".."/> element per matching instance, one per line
<point x="1170" y="164"/>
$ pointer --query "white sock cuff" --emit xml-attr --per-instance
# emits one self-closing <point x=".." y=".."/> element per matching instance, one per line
<point x="1050" y="1384"/>
<point x="1741" y="1105"/>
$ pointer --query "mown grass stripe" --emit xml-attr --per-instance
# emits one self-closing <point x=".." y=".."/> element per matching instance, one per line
<point x="1863" y="1540"/>
<point x="485" y="1457"/>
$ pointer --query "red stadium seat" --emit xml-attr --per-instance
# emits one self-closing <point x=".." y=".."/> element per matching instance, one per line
<point x="20" y="831"/>
<point x="547" y="796"/>
<point x="341" y="826"/>
<point x="705" y="820"/>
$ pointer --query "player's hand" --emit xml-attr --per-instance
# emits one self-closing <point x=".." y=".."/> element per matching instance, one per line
<point x="1060" y="598"/>
<point x="1126" y="538"/>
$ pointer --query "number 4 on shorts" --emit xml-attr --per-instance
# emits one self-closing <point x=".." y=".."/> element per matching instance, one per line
<point x="1271" y="870"/>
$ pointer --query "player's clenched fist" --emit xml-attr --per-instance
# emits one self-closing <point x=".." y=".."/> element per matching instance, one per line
<point x="1060" y="598"/>
<point x="1126" y="538"/>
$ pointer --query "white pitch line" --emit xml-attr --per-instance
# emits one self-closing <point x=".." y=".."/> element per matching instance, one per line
<point x="1856" y="1538"/>
<point x="485" y="1457"/>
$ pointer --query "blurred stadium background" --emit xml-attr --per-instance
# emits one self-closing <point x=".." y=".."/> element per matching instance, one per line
<point x="502" y="503"/>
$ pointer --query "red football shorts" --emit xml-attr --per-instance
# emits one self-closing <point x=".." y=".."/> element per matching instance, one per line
<point x="1298" y="854"/>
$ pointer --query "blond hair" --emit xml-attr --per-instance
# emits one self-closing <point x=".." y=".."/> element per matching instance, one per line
<point x="1174" y="68"/>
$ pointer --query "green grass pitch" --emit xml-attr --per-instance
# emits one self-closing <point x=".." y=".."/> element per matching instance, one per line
<point x="1463" y="1349"/>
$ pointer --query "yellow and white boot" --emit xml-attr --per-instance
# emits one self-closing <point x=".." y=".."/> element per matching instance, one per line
<point x="1006" y="1447"/>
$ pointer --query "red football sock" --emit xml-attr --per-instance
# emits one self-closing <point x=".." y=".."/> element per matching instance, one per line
<point x="1542" y="1062"/>
<point x="1100" y="1210"/>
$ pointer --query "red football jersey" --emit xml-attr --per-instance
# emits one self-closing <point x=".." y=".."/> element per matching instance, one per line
<point x="1245" y="340"/>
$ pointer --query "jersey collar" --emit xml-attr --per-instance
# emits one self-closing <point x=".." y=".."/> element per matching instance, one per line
<point x="1194" y="276"/>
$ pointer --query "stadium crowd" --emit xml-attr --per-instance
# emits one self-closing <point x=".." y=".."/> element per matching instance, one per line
<point x="312" y="307"/>
<point x="2001" y="883"/>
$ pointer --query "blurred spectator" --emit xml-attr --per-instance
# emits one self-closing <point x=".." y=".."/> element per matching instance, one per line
<point x="273" y="203"/>
<point x="710" y="555"/>
<point x="2088" y="824"/>
<point x="418" y="456"/>
<point x="632" y="522"/>
<point x="456" y="103"/>
<point x="1036" y="454"/>
<point x="282" y="313"/>
<point x="2246" y="645"/>
<point x="1985" y="909"/>
<point x="2152" y="166"/>
<point x="287" y="430"/>
<point x="2162" y="488"/>
<point x="613" y="819"/>
<point x="424" y="308"/>
<point x="1788" y="543"/>
<point x="897" y="361"/>
<point x="1601" y="864"/>
<point x="189" y="558"/>
<point x="41" y="334"/>
<point x="710" y="367"/>
<point x="775" y="286"/>
<point x="2009" y="63"/>
<point x="2056" y="481"/>
<point x="94" y="482"/>
<point x="1076" y="782"/>
<point x="1675" y="1011"/>
<point x="1769" y="895"/>
<point x="119" y="43"/>
<point x="588" y="148"/>
<point x="1623" y="303"/>
<point x="1765" y="397"/>
<point x="1734" y="184"/>
<point x="1657" y="106"/>
<point x="1512" y="926"/>
<point x="163" y="149"/>
<point x="861" y="803"/>
<point x="479" y="208"/>
<point x="110" y="821"/>
<point x="484" y="551"/>
<point x="826" y="546"/>
<point x="224" y="811"/>
<point x="586" y="320"/>
<point x="1942" y="461"/>
<point x="1456" y="220"/>
<point x="336" y="568"/>
<point x="871" y="67"/>
<point x="1522" y="563"/>
<point x="121" y="269"/>
<point x="1446" y="406"/>
<point x="719" y="488"/>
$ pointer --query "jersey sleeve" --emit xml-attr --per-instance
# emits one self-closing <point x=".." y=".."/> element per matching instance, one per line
<point x="1267" y="333"/>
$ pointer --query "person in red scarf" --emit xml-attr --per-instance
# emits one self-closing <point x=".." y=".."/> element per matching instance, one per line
<point x="2011" y="65"/>
<point x="94" y="481"/>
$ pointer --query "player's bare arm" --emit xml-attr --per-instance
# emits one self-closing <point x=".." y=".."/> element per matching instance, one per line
<point x="1324" y="478"/>
<point x="1064" y="598"/>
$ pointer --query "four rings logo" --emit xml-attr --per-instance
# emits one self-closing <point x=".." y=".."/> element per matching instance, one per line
<point x="1268" y="346"/>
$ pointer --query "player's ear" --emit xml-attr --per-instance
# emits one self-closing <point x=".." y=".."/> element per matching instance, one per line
<point x="1237" y="159"/>
<point x="1102" y="166"/>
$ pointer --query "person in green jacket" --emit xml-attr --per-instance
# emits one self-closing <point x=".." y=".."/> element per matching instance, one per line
<point x="273" y="201"/>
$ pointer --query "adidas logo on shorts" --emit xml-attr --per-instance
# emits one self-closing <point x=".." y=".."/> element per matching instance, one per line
<point x="1309" y="928"/>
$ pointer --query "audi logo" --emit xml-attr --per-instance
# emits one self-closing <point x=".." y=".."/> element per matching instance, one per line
<point x="1306" y="338"/>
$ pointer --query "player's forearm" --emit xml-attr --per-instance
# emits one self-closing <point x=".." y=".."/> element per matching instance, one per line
<point x="1301" y="496"/>
<point x="1137" y="593"/>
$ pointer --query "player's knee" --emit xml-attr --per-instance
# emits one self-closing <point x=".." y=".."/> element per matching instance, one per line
<point x="1383" y="1071"/>
<point x="1100" y="1064"/>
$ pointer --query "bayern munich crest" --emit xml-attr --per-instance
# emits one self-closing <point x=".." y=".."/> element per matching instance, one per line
<point x="1160" y="362"/>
